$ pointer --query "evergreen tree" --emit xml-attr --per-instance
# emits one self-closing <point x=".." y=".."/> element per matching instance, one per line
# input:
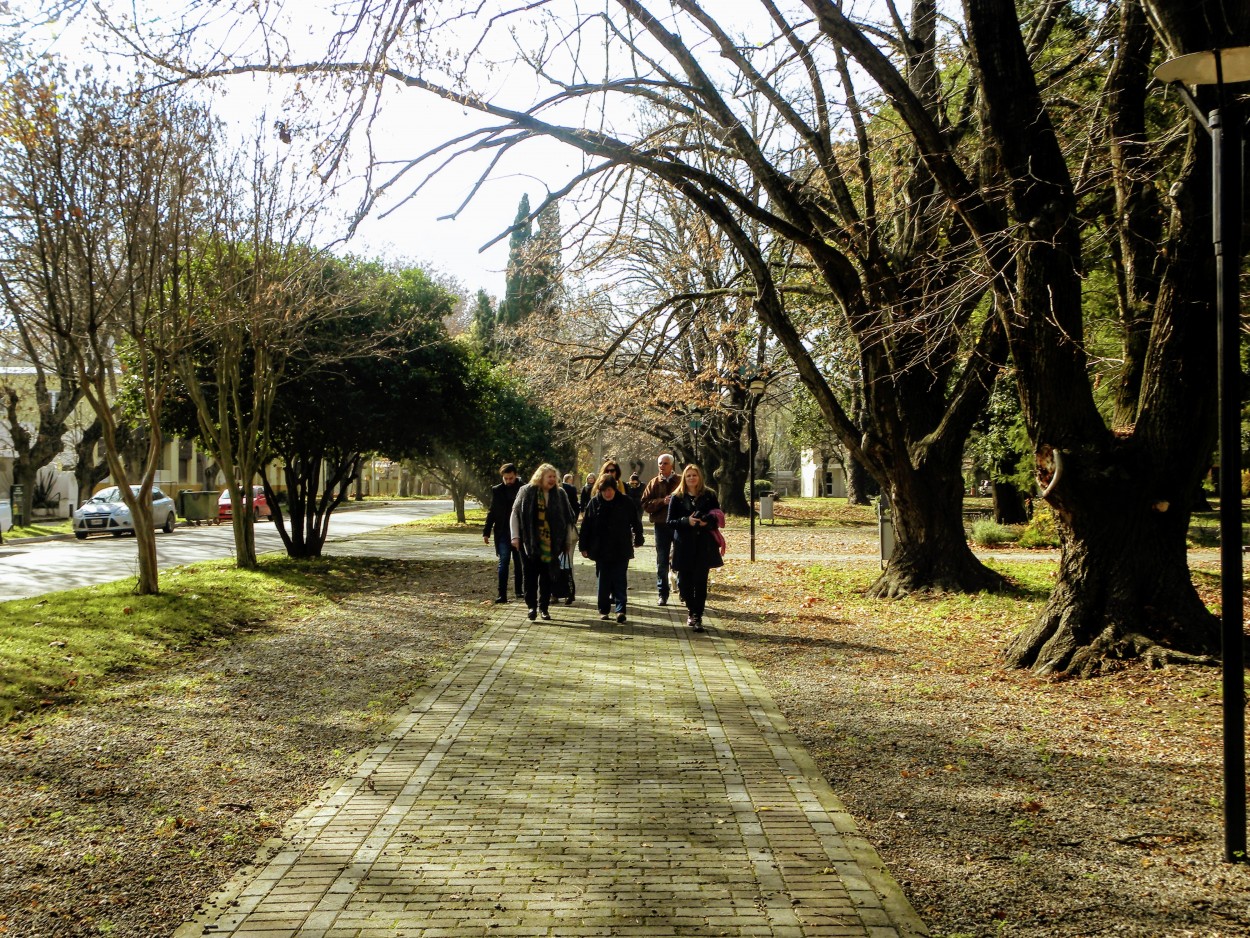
<point x="517" y="299"/>
<point x="482" y="328"/>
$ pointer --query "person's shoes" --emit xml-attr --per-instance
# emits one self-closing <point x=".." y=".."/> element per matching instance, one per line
<point x="545" y="614"/>
<point x="698" y="623"/>
<point x="663" y="601"/>
<point x="568" y="600"/>
<point x="532" y="615"/>
<point x="690" y="621"/>
<point x="501" y="600"/>
<point x="620" y="617"/>
<point x="605" y="616"/>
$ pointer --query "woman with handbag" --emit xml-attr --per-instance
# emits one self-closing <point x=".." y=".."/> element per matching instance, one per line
<point x="542" y="530"/>
<point x="695" y="549"/>
<point x="611" y="529"/>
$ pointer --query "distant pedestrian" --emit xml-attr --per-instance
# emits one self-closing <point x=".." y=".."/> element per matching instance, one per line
<point x="611" y="529"/>
<point x="571" y="491"/>
<point x="692" y="519"/>
<point x="655" y="498"/>
<point x="542" y="530"/>
<point x="499" y="520"/>
<point x="633" y="488"/>
<point x="588" y="490"/>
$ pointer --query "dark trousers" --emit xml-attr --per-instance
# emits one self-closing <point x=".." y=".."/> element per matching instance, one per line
<point x="692" y="585"/>
<point x="505" y="553"/>
<point x="663" y="550"/>
<point x="613" y="583"/>
<point x="537" y="582"/>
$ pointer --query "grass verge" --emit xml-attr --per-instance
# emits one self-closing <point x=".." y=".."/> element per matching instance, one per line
<point x="41" y="529"/>
<point x="61" y="647"/>
<point x="446" y="523"/>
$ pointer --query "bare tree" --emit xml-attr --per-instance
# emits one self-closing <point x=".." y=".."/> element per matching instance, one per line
<point x="941" y="208"/>
<point x="95" y="185"/>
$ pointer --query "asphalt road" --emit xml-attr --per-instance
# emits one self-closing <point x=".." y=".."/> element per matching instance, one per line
<point x="32" y="569"/>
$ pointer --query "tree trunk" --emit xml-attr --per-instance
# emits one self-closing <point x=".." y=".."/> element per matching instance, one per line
<point x="145" y="537"/>
<point x="930" y="546"/>
<point x="458" y="493"/>
<point x="1124" y="588"/>
<point x="858" y="482"/>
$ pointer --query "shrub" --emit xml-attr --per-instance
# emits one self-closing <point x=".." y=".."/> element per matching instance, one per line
<point x="1041" y="530"/>
<point x="761" y="486"/>
<point x="986" y="533"/>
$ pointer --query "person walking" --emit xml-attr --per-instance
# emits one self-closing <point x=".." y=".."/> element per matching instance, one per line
<point x="695" y="549"/>
<point x="571" y="491"/>
<point x="542" y="529"/>
<point x="499" y="520"/>
<point x="588" y="490"/>
<point x="633" y="488"/>
<point x="611" y="529"/>
<point x="656" y="496"/>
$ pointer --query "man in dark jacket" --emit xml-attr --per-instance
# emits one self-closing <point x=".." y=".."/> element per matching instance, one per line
<point x="498" y="518"/>
<point x="611" y="529"/>
<point x="655" y="498"/>
<point x="571" y="491"/>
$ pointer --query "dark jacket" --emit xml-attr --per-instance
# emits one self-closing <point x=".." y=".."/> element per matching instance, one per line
<point x="560" y="518"/>
<point x="588" y="492"/>
<point x="610" y="529"/>
<point x="653" y="496"/>
<point x="574" y="502"/>
<point x="499" y="515"/>
<point x="694" y="546"/>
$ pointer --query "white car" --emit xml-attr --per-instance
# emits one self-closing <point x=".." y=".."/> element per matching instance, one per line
<point x="106" y="513"/>
<point x="6" y="515"/>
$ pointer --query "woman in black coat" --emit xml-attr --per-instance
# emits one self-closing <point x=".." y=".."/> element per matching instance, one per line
<point x="611" y="529"/>
<point x="695" y="550"/>
<point x="542" y="529"/>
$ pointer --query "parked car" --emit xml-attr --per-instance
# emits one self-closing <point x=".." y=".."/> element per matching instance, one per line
<point x="261" y="510"/>
<point x="6" y="515"/>
<point x="106" y="513"/>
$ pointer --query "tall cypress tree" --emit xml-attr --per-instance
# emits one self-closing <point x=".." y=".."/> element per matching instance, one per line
<point x="518" y="297"/>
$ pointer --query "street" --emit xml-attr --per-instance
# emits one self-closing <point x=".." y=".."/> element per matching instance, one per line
<point x="31" y="569"/>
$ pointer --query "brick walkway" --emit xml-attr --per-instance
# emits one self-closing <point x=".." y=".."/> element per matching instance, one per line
<point x="576" y="778"/>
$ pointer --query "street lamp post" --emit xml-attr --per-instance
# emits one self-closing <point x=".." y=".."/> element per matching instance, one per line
<point x="1224" y="124"/>
<point x="756" y="388"/>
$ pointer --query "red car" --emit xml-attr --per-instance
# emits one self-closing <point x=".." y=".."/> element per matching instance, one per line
<point x="260" y="505"/>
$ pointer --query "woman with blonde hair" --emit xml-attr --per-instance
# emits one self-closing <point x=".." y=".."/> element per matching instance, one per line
<point x="695" y="551"/>
<point x="542" y="530"/>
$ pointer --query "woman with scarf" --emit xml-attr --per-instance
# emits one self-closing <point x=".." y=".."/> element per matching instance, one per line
<point x="542" y="530"/>
<point x="693" y="518"/>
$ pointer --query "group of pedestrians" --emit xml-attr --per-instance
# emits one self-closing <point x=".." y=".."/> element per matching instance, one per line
<point x="535" y="528"/>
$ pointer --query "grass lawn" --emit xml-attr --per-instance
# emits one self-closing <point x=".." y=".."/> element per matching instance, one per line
<point x="446" y="523"/>
<point x="58" y="647"/>
<point x="39" y="529"/>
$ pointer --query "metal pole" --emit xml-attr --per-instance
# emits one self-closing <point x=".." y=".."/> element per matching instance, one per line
<point x="1226" y="155"/>
<point x="751" y="490"/>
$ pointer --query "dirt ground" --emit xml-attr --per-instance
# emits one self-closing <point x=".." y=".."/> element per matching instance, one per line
<point x="1003" y="804"/>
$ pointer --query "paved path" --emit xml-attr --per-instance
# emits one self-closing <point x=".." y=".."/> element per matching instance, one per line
<point x="575" y="778"/>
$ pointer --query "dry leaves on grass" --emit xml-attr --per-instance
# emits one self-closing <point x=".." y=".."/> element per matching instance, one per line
<point x="119" y="818"/>
<point x="1004" y="804"/>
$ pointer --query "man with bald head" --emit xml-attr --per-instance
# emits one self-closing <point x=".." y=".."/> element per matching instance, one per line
<point x="655" y="498"/>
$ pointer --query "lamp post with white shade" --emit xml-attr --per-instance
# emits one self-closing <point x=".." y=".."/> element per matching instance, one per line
<point x="1224" y="123"/>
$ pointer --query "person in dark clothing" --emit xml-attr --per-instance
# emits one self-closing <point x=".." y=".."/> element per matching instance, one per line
<point x="611" y="529"/>
<point x="588" y="491"/>
<point x="499" y="520"/>
<point x="571" y="491"/>
<point x="542" y="529"/>
<point x="633" y="488"/>
<point x="695" y="550"/>
<point x="655" y="498"/>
